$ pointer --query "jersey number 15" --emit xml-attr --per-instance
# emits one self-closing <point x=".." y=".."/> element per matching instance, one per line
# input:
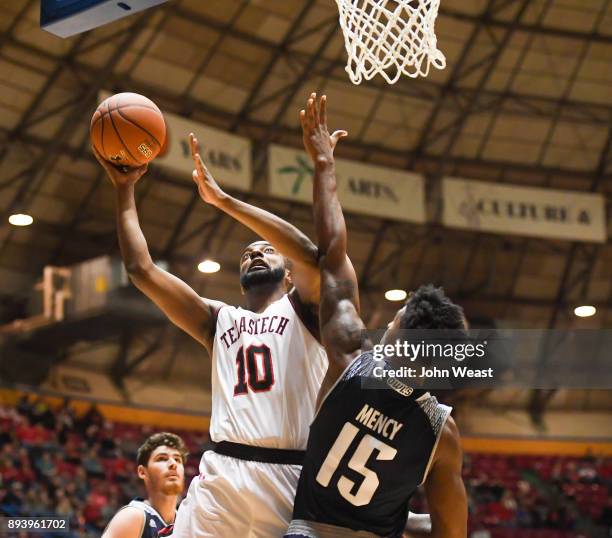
<point x="357" y="463"/>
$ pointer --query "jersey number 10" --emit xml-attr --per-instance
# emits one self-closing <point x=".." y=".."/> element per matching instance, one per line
<point x="357" y="463"/>
<point x="254" y="356"/>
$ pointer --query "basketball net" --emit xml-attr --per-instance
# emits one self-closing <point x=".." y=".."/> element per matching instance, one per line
<point x="390" y="37"/>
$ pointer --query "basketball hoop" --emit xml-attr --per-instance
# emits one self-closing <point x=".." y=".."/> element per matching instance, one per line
<point x="390" y="37"/>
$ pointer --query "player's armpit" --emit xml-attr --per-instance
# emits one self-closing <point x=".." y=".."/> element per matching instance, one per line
<point x="444" y="487"/>
<point x="417" y="526"/>
<point x="127" y="523"/>
<point x="183" y="306"/>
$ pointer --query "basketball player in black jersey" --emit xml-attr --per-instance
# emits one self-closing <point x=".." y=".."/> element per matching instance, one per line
<point x="369" y="450"/>
<point x="161" y="461"/>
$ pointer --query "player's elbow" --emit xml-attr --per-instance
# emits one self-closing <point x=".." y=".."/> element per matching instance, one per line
<point x="137" y="270"/>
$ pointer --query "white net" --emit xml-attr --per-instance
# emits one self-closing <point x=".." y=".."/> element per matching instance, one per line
<point x="390" y="37"/>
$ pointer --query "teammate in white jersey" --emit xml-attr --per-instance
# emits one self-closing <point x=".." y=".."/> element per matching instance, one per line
<point x="267" y="363"/>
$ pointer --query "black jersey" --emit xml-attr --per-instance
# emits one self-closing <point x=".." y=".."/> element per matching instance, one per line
<point x="154" y="524"/>
<point x="368" y="451"/>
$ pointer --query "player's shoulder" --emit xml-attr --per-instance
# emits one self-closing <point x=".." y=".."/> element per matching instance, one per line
<point x="449" y="446"/>
<point x="213" y="304"/>
<point x="128" y="522"/>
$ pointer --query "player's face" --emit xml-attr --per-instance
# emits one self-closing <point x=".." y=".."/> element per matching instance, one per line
<point x="165" y="472"/>
<point x="261" y="263"/>
<point x="393" y="326"/>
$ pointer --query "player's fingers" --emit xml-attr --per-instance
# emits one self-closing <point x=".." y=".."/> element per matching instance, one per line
<point x="315" y="108"/>
<point x="323" y="111"/>
<point x="204" y="169"/>
<point x="311" y="113"/>
<point x="194" y="144"/>
<point x="199" y="164"/>
<point x="338" y="135"/>
<point x="303" y="119"/>
<point x="195" y="177"/>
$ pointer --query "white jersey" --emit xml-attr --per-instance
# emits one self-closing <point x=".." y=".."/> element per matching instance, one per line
<point x="267" y="369"/>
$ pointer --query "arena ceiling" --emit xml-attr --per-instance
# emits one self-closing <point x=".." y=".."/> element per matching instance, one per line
<point x="526" y="99"/>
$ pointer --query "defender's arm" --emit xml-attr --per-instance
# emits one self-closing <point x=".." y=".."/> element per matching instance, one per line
<point x="444" y="487"/>
<point x="341" y="325"/>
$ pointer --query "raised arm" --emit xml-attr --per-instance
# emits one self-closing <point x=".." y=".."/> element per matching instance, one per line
<point x="283" y="236"/>
<point x="444" y="487"/>
<point x="176" y="299"/>
<point x="341" y="326"/>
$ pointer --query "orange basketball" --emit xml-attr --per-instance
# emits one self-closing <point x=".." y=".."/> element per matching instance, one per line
<point x="128" y="129"/>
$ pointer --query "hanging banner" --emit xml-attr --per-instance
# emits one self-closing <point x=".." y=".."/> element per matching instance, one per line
<point x="227" y="156"/>
<point x="549" y="213"/>
<point x="362" y="188"/>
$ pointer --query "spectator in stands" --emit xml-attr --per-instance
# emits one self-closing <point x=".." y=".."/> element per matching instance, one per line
<point x="63" y="506"/>
<point x="107" y="443"/>
<point x="45" y="465"/>
<point x="605" y="519"/>
<point x="5" y="433"/>
<point x="92" y="464"/>
<point x="42" y="473"/>
<point x="91" y="417"/>
<point x="24" y="407"/>
<point x="13" y="499"/>
<point x="42" y="414"/>
<point x="65" y="421"/>
<point x="26" y="433"/>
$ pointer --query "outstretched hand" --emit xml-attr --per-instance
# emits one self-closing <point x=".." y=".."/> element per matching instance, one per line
<point x="208" y="188"/>
<point x="123" y="176"/>
<point x="318" y="142"/>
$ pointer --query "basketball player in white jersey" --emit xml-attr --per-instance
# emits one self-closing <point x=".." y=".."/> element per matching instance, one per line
<point x="161" y="460"/>
<point x="267" y="365"/>
<point x="269" y="225"/>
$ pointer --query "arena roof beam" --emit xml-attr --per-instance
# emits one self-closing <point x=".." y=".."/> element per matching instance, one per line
<point x="523" y="104"/>
<point x="279" y="51"/>
<point x="7" y="35"/>
<point x="201" y="67"/>
<point x="180" y="225"/>
<point x="407" y="87"/>
<point x="537" y="28"/>
<point x="485" y="139"/>
<point x="40" y="142"/>
<point x="464" y="65"/>
<point x="42" y="164"/>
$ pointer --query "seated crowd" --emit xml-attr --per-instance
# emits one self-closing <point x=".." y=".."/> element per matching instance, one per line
<point x="53" y="462"/>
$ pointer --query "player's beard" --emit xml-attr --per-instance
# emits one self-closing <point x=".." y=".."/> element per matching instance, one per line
<point x="261" y="278"/>
<point x="173" y="488"/>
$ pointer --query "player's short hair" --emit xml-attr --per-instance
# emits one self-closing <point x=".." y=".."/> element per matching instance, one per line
<point x="429" y="308"/>
<point x="170" y="440"/>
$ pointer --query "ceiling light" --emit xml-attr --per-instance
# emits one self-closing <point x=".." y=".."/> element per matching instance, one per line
<point x="20" y="219"/>
<point x="395" y="295"/>
<point x="208" y="266"/>
<point x="585" y="311"/>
